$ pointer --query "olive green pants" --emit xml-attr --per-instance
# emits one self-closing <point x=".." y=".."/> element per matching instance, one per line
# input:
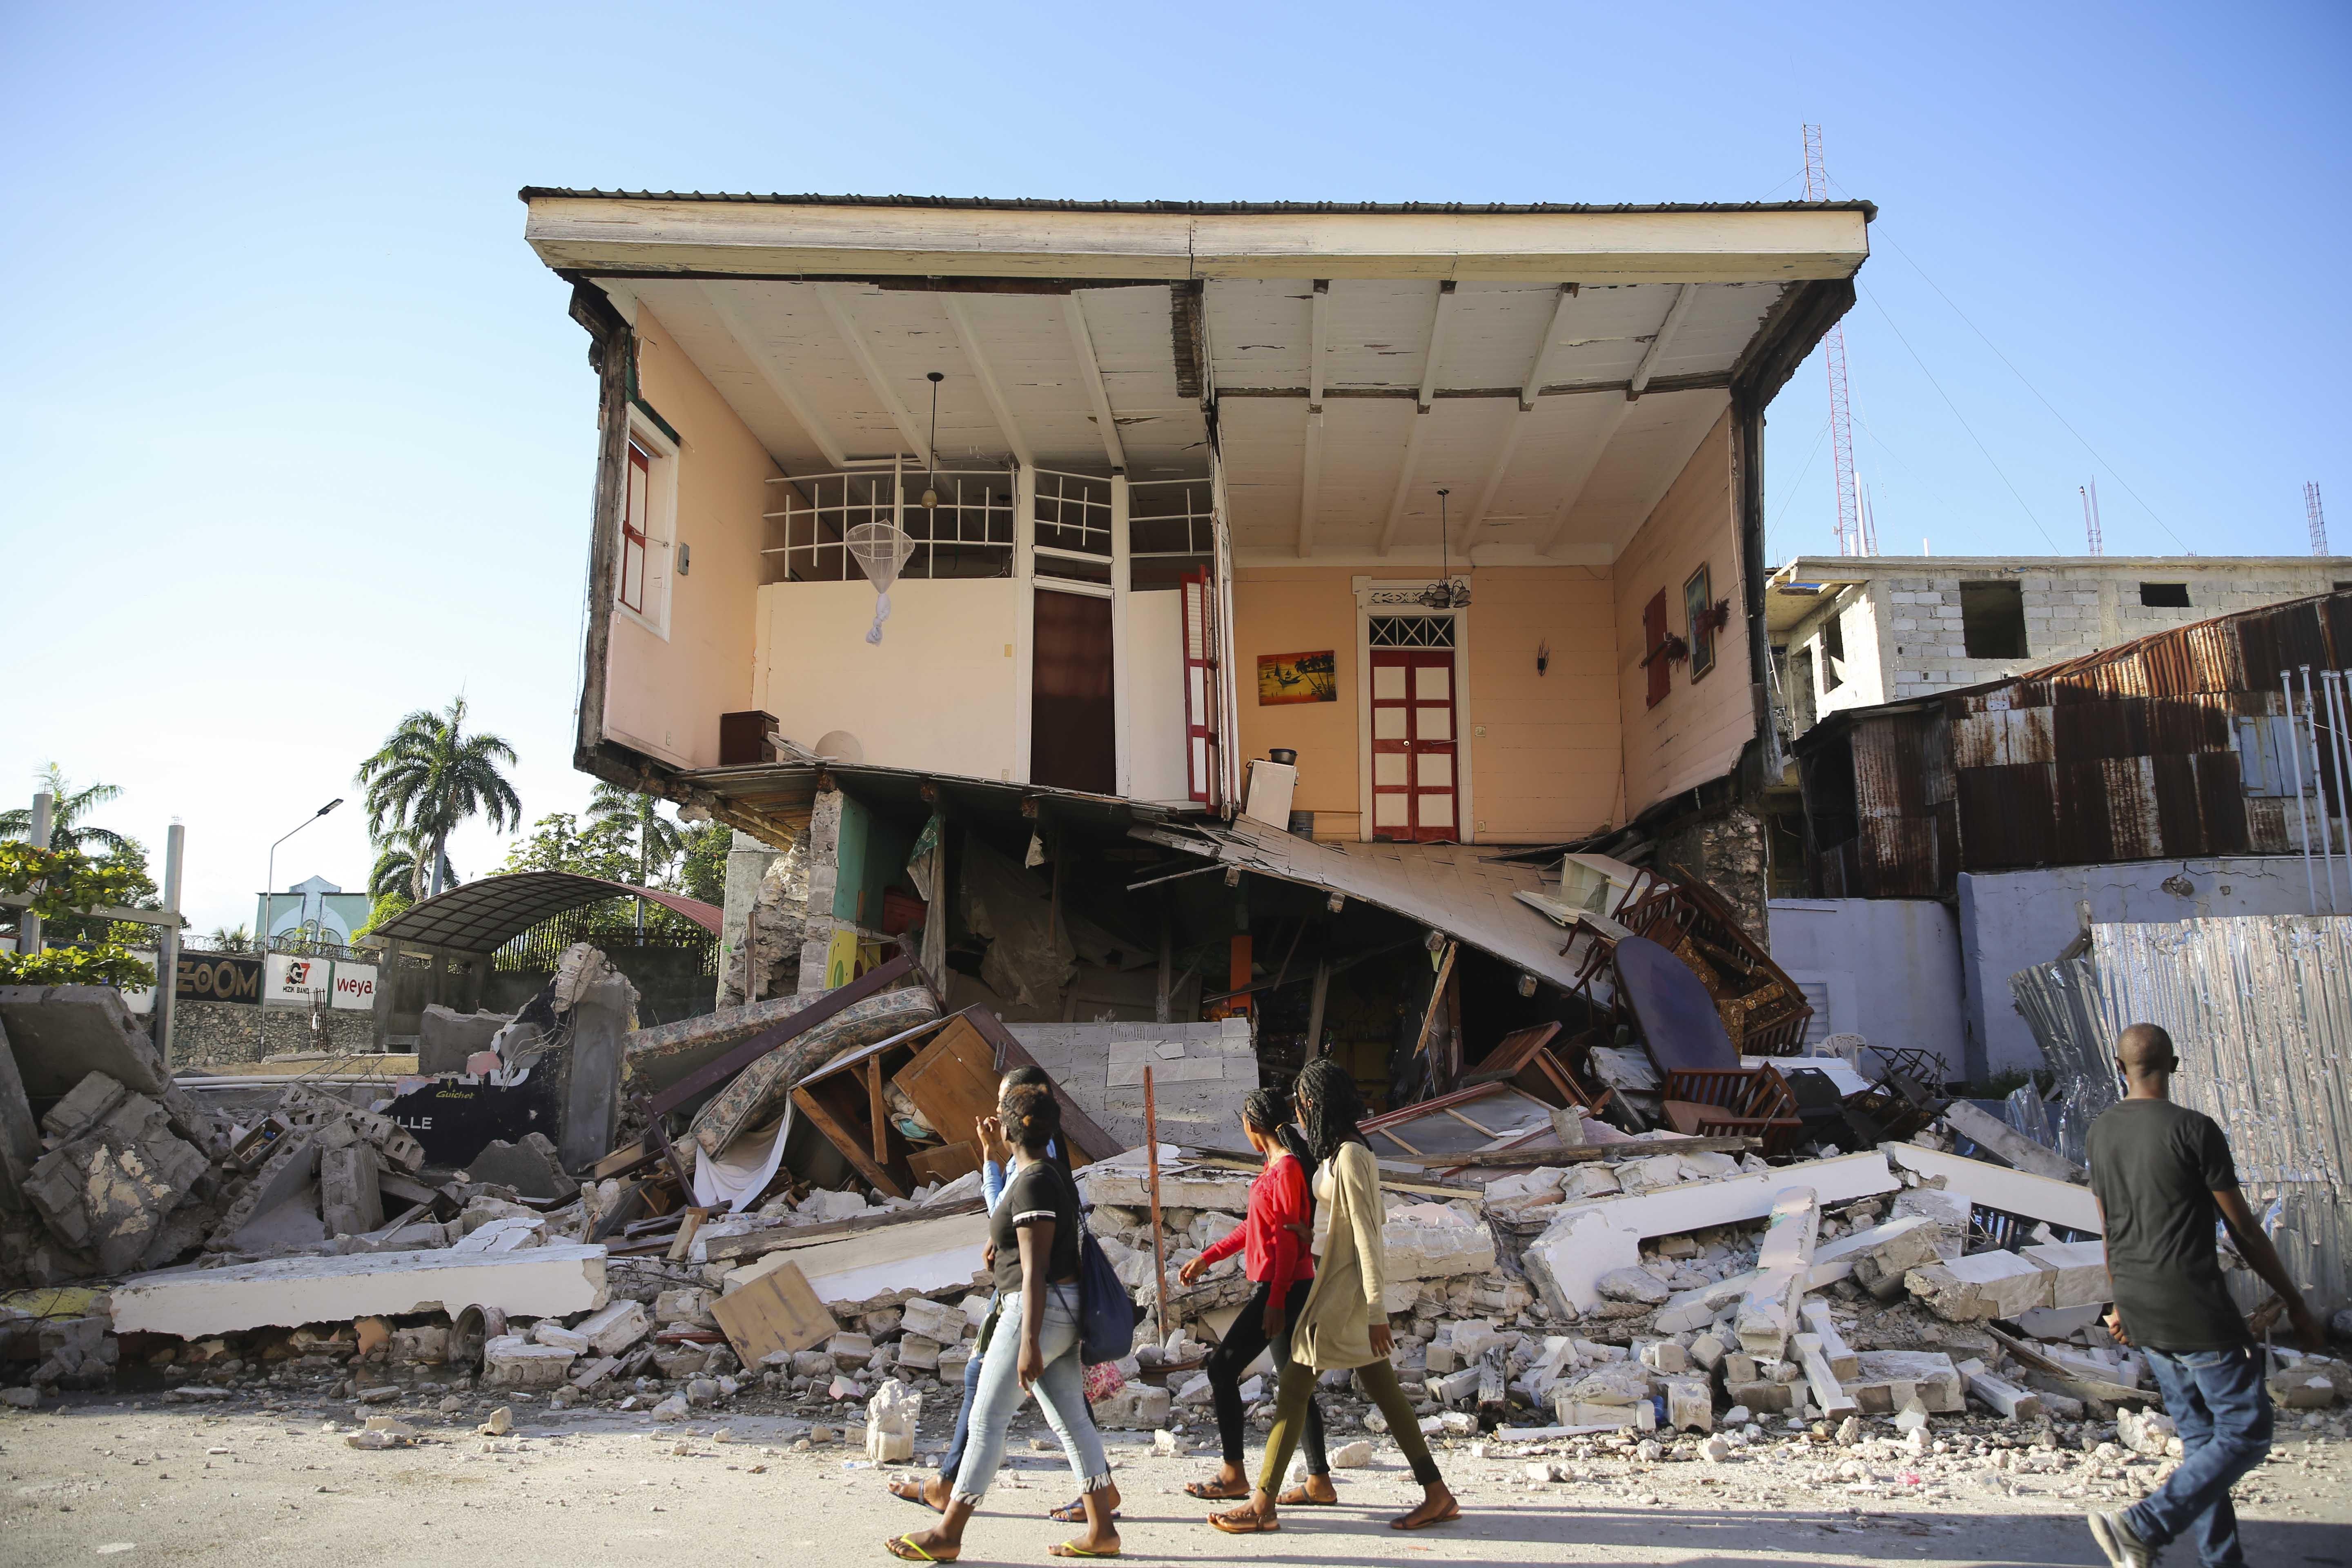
<point x="1298" y="1392"/>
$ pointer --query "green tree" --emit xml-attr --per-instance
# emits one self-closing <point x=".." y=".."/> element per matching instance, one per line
<point x="657" y="837"/>
<point x="429" y="777"/>
<point x="702" y="870"/>
<point x="230" y="939"/>
<point x="67" y="828"/>
<point x="63" y="884"/>
<point x="560" y="841"/>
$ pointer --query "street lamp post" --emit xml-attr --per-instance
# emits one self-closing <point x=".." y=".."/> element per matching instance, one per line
<point x="269" y="905"/>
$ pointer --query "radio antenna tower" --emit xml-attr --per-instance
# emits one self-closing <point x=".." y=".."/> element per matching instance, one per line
<point x="1850" y="537"/>
<point x="2317" y="518"/>
<point x="2090" y="495"/>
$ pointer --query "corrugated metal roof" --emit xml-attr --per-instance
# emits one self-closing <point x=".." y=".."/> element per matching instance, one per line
<point x="1201" y="209"/>
<point x="481" y="917"/>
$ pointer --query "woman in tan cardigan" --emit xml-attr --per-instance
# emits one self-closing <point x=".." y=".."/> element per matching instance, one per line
<point x="1344" y="1321"/>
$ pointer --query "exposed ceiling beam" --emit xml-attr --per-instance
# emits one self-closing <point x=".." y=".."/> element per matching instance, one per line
<point x="1685" y="295"/>
<point x="1310" y="477"/>
<point x="1573" y="491"/>
<point x="1310" y="480"/>
<point x="777" y="382"/>
<point x="1428" y="393"/>
<point x="959" y="327"/>
<point x="859" y="349"/>
<point x="1082" y="342"/>
<point x="1538" y="375"/>
<point x="1404" y="480"/>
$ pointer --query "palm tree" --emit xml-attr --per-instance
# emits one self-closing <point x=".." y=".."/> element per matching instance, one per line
<point x="429" y="776"/>
<point x="395" y="869"/>
<point x="228" y="939"/>
<point x="69" y="806"/>
<point x="658" y="840"/>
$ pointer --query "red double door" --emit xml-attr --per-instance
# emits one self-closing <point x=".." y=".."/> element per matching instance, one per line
<point x="1415" y="768"/>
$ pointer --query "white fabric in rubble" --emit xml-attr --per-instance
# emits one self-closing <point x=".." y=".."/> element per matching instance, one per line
<point x="733" y="1179"/>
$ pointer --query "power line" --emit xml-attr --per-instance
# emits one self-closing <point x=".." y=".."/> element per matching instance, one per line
<point x="1783" y="514"/>
<point x="1961" y="418"/>
<point x="2096" y="455"/>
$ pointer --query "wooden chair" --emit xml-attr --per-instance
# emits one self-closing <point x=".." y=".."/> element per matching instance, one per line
<point x="1725" y="1103"/>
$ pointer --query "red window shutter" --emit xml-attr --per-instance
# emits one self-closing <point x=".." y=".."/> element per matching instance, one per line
<point x="637" y="499"/>
<point x="1653" y="646"/>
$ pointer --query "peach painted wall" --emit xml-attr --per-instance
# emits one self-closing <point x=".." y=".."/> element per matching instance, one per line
<point x="1546" y="766"/>
<point x="1695" y="734"/>
<point x="661" y="696"/>
<point x="1301" y="609"/>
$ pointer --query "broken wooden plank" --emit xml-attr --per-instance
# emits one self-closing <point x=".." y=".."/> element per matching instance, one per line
<point x="710" y="1075"/>
<point x="1568" y="1155"/>
<point x="758" y="1243"/>
<point x="2068" y="1382"/>
<point x="777" y="1312"/>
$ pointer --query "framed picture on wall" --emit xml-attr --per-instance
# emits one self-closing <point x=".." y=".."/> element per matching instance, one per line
<point x="1284" y="677"/>
<point x="1698" y="613"/>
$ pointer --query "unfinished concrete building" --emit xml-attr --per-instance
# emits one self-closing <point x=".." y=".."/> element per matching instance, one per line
<point x="1346" y="541"/>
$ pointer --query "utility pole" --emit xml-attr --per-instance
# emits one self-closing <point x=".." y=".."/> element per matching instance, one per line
<point x="1850" y="536"/>
<point x="28" y="928"/>
<point x="2091" y="531"/>
<point x="167" y="944"/>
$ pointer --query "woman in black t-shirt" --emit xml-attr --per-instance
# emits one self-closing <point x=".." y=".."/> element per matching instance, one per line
<point x="1031" y="1342"/>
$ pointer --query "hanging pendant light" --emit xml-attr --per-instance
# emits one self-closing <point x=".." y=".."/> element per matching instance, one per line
<point x="931" y="486"/>
<point x="1439" y="596"/>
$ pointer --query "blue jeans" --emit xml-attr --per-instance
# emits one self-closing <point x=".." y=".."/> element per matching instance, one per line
<point x="952" y="1460"/>
<point x="2218" y="1400"/>
<point x="1061" y="1395"/>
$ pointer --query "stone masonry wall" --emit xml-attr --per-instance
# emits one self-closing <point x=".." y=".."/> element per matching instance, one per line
<point x="208" y="1034"/>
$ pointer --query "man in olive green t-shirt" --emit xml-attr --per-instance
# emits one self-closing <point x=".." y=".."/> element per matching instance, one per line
<point x="2163" y="1177"/>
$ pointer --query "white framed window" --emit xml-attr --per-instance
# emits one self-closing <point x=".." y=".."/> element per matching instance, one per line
<point x="642" y="577"/>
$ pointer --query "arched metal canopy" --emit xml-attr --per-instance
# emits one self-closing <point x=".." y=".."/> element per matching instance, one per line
<point x="483" y="916"/>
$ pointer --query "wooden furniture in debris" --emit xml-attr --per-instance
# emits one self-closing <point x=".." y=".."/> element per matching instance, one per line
<point x="1483" y="1117"/>
<point x="1725" y="1102"/>
<point x="1524" y="1059"/>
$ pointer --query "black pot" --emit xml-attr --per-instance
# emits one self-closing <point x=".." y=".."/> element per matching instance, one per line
<point x="1282" y="754"/>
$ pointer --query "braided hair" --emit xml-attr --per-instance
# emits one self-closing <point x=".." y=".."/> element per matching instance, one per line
<point x="1267" y="1109"/>
<point x="1329" y="1107"/>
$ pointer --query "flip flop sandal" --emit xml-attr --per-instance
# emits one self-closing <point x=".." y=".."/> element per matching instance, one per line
<point x="1254" y="1525"/>
<point x="1071" y="1549"/>
<point x="915" y="1497"/>
<point x="1073" y="1513"/>
<point x="904" y="1548"/>
<point x="1297" y="1497"/>
<point x="1208" y="1491"/>
<point x="1452" y="1511"/>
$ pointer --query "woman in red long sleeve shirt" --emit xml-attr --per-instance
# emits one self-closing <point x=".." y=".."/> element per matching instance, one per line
<point x="1278" y="1261"/>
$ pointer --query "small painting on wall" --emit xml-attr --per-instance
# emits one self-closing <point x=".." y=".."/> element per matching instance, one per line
<point x="1698" y="602"/>
<point x="1298" y="677"/>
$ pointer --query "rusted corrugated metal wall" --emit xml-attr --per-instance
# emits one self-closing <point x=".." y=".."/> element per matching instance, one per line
<point x="2126" y="754"/>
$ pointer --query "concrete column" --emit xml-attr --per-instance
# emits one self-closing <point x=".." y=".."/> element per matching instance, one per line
<point x="823" y="875"/>
<point x="748" y="860"/>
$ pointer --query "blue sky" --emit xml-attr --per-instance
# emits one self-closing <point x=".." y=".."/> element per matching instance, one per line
<point x="308" y="432"/>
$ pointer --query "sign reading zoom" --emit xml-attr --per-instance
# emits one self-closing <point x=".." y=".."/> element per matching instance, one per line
<point x="209" y="977"/>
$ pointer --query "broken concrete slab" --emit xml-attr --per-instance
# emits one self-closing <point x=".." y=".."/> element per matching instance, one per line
<point x="756" y="1094"/>
<point x="2078" y="1271"/>
<point x="542" y="1282"/>
<point x="1979" y="1286"/>
<point x="1999" y="1138"/>
<point x="529" y="1165"/>
<point x="1890" y="1378"/>
<point x="509" y="1361"/>
<point x="61" y="1034"/>
<point x="20" y="1136"/>
<point x="1768" y="1314"/>
<point x="1881" y="1256"/>
<point x="614" y="1327"/>
<point x="886" y="1264"/>
<point x="1998" y="1188"/>
<point x="2002" y="1396"/>
<point x="111" y="1190"/>
<point x="349" y="1201"/>
<point x="1586" y="1240"/>
<point x="1829" y="1393"/>
<point x="933" y="1320"/>
<point x="445" y="1038"/>
<point x="1843" y="1362"/>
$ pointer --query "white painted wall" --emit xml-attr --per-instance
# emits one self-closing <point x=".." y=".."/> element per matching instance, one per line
<point x="1885" y="969"/>
<point x="940" y="690"/>
<point x="1155" y="688"/>
<point x="2012" y="919"/>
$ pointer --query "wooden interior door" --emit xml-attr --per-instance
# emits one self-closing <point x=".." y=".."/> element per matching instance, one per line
<point x="1414" y="766"/>
<point x="1072" y="712"/>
